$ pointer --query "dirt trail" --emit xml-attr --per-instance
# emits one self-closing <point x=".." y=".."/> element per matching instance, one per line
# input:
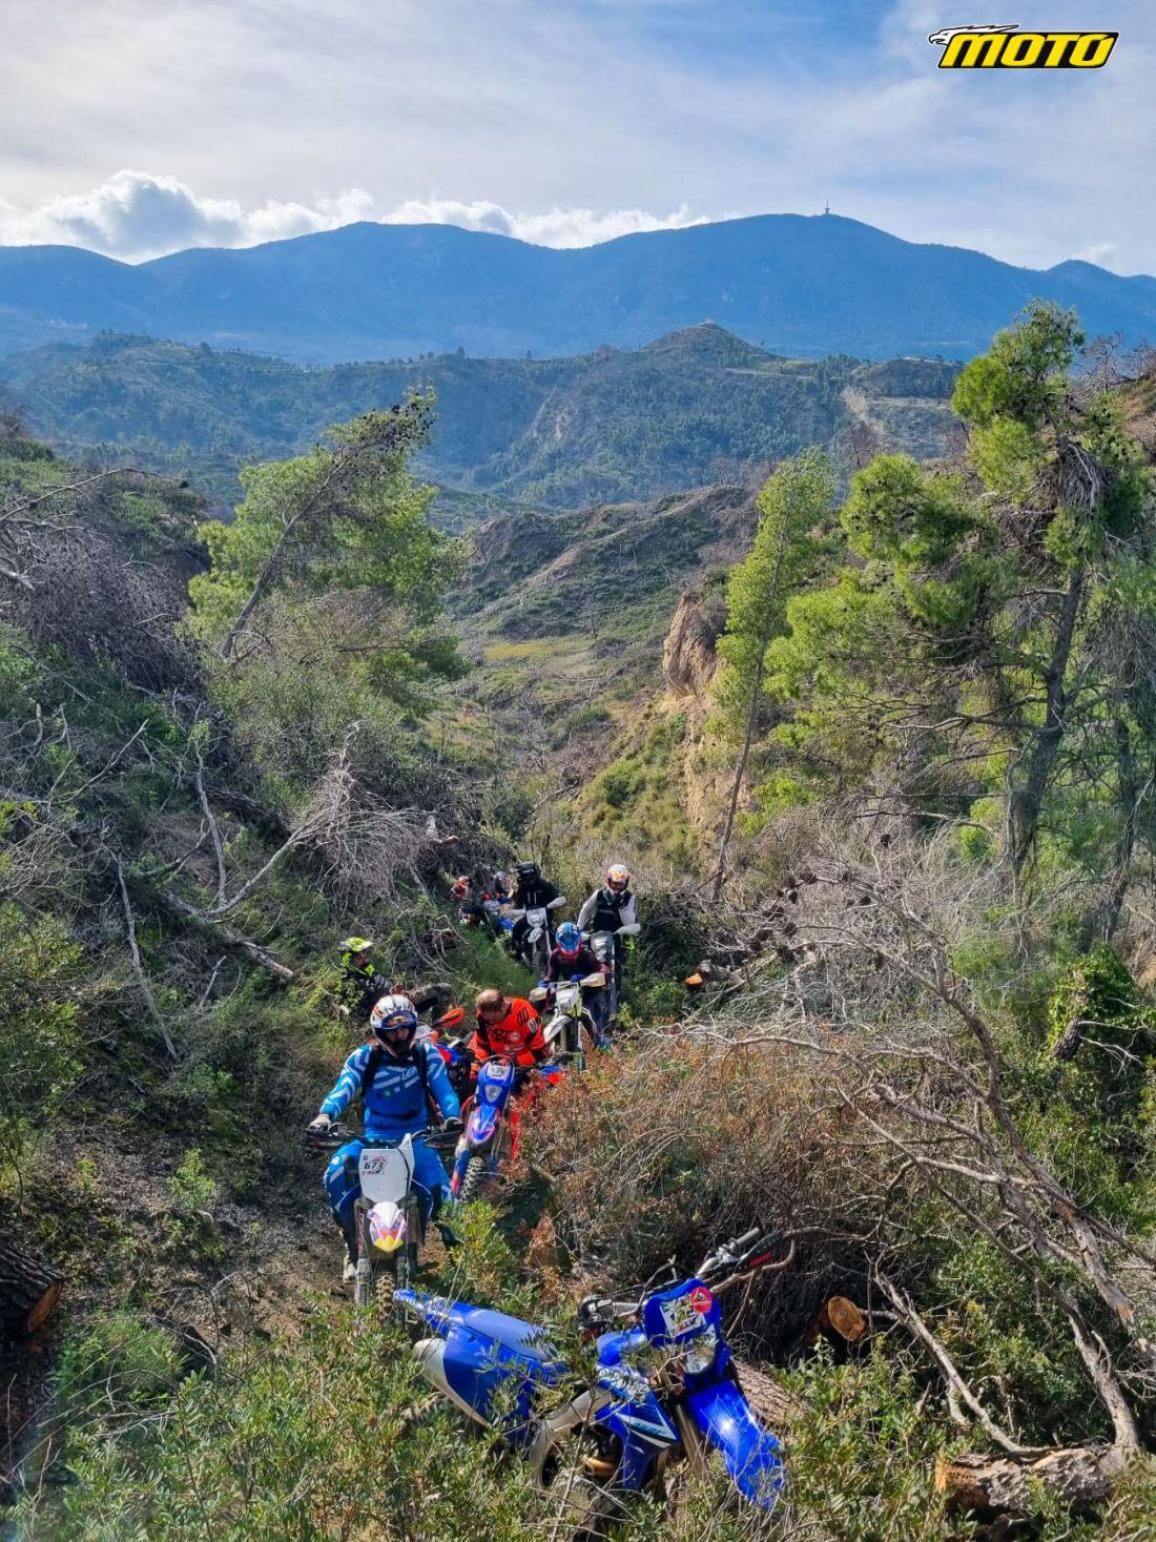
<point x="266" y="1270"/>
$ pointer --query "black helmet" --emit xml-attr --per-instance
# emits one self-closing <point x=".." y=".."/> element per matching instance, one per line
<point x="528" y="871"/>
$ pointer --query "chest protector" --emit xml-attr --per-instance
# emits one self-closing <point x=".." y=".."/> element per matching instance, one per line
<point x="608" y="910"/>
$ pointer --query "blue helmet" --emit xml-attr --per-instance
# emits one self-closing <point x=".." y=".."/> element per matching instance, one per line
<point x="569" y="940"/>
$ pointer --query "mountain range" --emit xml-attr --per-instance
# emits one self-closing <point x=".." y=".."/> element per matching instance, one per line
<point x="694" y="407"/>
<point x="799" y="285"/>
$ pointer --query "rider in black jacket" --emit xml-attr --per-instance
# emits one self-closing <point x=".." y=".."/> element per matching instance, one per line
<point x="531" y="892"/>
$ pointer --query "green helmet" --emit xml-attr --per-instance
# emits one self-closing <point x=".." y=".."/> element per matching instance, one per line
<point x="357" y="945"/>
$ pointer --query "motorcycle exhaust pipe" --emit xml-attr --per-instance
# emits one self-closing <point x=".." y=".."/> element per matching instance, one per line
<point x="598" y="1467"/>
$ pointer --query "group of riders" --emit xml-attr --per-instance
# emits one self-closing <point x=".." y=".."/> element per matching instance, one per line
<point x="400" y="1073"/>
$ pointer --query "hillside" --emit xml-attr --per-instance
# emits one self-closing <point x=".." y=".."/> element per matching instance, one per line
<point x="797" y="285"/>
<point x="918" y="1060"/>
<point x="691" y="408"/>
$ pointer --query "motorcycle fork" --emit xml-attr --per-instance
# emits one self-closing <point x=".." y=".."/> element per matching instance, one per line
<point x="690" y="1439"/>
<point x="364" y="1254"/>
<point x="505" y="1147"/>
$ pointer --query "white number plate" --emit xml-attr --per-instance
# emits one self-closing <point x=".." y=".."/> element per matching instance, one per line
<point x="687" y="1314"/>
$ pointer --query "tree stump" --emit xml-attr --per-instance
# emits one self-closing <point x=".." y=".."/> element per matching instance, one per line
<point x="839" y="1318"/>
<point x="29" y="1291"/>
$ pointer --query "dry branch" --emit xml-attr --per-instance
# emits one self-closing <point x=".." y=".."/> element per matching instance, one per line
<point x="214" y="829"/>
<point x="227" y="935"/>
<point x="914" y="1061"/>
<point x="146" y="989"/>
<point x="365" y="847"/>
<point x="963" y="1393"/>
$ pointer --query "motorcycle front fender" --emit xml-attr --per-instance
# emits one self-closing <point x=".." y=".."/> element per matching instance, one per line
<point x="752" y="1455"/>
<point x="482" y="1127"/>
<point x="555" y="1028"/>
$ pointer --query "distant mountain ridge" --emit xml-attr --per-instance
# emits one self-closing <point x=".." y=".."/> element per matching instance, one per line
<point x="694" y="407"/>
<point x="799" y="285"/>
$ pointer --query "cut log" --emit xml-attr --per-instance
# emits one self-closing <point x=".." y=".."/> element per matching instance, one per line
<point x="838" y="1320"/>
<point x="1082" y="1475"/>
<point x="29" y="1291"/>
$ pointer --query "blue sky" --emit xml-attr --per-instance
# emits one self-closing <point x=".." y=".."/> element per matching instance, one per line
<point x="139" y="126"/>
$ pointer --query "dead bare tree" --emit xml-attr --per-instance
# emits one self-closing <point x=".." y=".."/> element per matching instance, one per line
<point x="365" y="847"/>
<point x="914" y="1061"/>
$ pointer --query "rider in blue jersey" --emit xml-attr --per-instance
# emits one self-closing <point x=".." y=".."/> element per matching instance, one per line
<point x="397" y="1080"/>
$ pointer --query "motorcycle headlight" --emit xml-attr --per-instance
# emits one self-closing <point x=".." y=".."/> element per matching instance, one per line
<point x="699" y="1355"/>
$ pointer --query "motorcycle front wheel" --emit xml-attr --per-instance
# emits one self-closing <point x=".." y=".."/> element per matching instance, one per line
<point x="573" y="1048"/>
<point x="475" y="1177"/>
<point x="586" y="1508"/>
<point x="385" y="1282"/>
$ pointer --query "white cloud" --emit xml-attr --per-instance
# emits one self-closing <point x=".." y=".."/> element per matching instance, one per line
<point x="557" y="227"/>
<point x="571" y="110"/>
<point x="1105" y="254"/>
<point x="136" y="215"/>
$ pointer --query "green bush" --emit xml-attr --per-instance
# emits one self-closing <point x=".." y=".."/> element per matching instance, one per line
<point x="862" y="1455"/>
<point x="39" y="966"/>
<point x="114" y="1366"/>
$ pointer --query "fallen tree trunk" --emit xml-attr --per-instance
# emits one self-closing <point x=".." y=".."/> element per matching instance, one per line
<point x="230" y="937"/>
<point x="1084" y="1476"/>
<point x="29" y="1291"/>
<point x="770" y="1401"/>
<point x="177" y="908"/>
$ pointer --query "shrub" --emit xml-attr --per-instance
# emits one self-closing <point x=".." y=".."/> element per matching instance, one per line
<point x="38" y="1065"/>
<point x="113" y="1367"/>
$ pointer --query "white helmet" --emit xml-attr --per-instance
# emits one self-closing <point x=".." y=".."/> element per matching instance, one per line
<point x="392" y="1013"/>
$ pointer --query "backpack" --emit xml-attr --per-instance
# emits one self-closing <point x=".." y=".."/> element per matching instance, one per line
<point x="373" y="1066"/>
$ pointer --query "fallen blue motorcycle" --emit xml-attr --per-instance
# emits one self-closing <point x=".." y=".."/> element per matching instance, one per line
<point x="666" y="1390"/>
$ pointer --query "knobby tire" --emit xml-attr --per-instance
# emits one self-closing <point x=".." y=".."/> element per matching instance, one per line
<point x="475" y="1176"/>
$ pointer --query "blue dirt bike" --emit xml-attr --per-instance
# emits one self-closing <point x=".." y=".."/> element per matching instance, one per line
<point x="666" y="1390"/>
<point x="493" y="1122"/>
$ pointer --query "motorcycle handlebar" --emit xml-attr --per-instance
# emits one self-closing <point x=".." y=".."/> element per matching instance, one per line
<point x="338" y="1135"/>
<point x="443" y="1137"/>
<point x="596" y="1311"/>
<point x="746" y="1253"/>
<point x="738" y="1258"/>
<point x="328" y="1140"/>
